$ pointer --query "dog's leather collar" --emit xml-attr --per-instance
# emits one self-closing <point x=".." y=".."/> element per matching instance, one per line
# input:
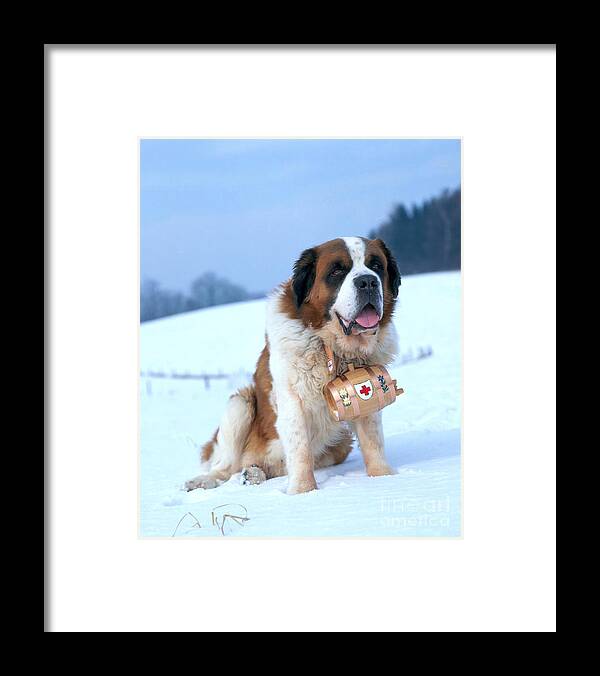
<point x="331" y="361"/>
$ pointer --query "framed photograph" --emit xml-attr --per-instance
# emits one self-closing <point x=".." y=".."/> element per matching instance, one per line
<point x="300" y="338"/>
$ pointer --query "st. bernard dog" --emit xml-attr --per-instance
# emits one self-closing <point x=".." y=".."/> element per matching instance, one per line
<point x="341" y="294"/>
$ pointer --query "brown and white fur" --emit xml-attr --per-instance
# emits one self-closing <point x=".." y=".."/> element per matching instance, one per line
<point x="281" y="424"/>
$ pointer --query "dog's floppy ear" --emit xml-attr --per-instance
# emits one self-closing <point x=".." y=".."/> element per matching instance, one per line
<point x="304" y="276"/>
<point x="392" y="268"/>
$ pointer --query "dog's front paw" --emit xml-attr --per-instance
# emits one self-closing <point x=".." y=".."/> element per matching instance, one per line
<point x="204" y="481"/>
<point x="382" y="469"/>
<point x="252" y="476"/>
<point x="304" y="485"/>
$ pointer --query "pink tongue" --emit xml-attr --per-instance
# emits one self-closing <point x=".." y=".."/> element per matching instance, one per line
<point x="367" y="318"/>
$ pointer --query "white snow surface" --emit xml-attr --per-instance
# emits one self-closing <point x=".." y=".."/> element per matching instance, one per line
<point x="422" y="430"/>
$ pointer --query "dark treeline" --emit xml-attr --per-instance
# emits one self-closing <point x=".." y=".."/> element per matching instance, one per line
<point x="426" y="237"/>
<point x="423" y="238"/>
<point x="206" y="291"/>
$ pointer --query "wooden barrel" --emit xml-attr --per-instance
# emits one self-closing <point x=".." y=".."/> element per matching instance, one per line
<point x="360" y="391"/>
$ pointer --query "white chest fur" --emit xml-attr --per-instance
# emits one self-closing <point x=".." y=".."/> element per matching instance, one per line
<point x="299" y="371"/>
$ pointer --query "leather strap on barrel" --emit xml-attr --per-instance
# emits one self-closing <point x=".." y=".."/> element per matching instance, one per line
<point x="330" y="358"/>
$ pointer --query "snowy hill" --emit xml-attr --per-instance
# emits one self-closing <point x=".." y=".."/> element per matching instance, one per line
<point x="422" y="429"/>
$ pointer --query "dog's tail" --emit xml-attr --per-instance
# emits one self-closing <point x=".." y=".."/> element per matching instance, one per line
<point x="224" y="450"/>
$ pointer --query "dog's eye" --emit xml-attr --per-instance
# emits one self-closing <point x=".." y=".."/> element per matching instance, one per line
<point x="336" y="272"/>
<point x="376" y="264"/>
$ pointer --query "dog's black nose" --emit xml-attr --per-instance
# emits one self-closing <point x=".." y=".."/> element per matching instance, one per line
<point x="366" y="282"/>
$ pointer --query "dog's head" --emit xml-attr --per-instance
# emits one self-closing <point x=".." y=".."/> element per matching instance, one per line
<point x="348" y="285"/>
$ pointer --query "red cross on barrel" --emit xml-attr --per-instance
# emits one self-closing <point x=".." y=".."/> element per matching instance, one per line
<point x="364" y="390"/>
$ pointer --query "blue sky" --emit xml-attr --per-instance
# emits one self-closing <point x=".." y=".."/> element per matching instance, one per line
<point x="245" y="209"/>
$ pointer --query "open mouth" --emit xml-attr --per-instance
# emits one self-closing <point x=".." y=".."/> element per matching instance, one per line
<point x="366" y="320"/>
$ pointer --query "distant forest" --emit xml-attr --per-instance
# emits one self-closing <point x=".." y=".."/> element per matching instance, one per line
<point x="426" y="237"/>
<point x="205" y="291"/>
<point x="423" y="238"/>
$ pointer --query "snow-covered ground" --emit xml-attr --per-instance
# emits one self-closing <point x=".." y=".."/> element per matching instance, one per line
<point x="422" y="430"/>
